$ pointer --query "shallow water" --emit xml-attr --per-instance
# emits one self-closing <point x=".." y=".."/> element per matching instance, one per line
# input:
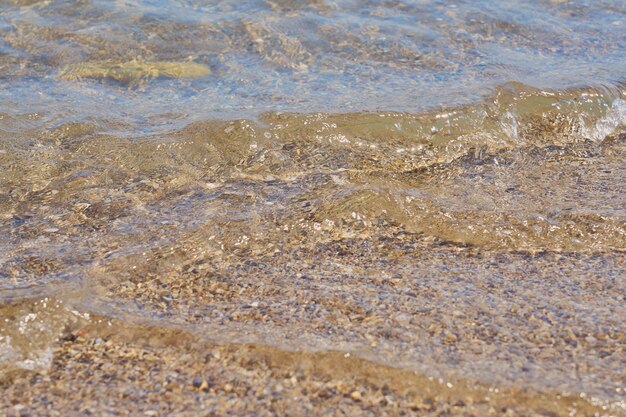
<point x="296" y="56"/>
<point x="432" y="186"/>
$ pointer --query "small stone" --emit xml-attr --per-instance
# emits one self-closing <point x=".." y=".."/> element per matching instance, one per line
<point x="356" y="395"/>
<point x="418" y="405"/>
<point x="197" y="382"/>
<point x="324" y="393"/>
<point x="228" y="388"/>
<point x="204" y="386"/>
<point x="450" y="337"/>
<point x="460" y="404"/>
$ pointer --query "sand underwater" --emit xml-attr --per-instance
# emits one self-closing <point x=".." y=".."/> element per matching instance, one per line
<point x="269" y="208"/>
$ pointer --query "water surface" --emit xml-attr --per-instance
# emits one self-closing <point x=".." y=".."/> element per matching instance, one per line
<point x="436" y="187"/>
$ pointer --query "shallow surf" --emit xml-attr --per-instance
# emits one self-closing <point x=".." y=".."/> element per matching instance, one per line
<point x="427" y="194"/>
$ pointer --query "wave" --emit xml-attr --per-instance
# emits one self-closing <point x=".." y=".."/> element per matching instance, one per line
<point x="527" y="169"/>
<point x="407" y="238"/>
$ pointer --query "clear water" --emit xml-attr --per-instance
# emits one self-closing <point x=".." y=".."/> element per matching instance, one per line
<point x="334" y="57"/>
<point x="436" y="186"/>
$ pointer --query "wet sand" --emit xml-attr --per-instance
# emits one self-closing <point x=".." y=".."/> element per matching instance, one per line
<point x="120" y="369"/>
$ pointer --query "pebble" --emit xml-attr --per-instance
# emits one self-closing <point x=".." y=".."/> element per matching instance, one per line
<point x="356" y="395"/>
<point x="204" y="386"/>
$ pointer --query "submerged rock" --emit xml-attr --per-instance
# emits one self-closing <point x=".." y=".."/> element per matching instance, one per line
<point x="134" y="71"/>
